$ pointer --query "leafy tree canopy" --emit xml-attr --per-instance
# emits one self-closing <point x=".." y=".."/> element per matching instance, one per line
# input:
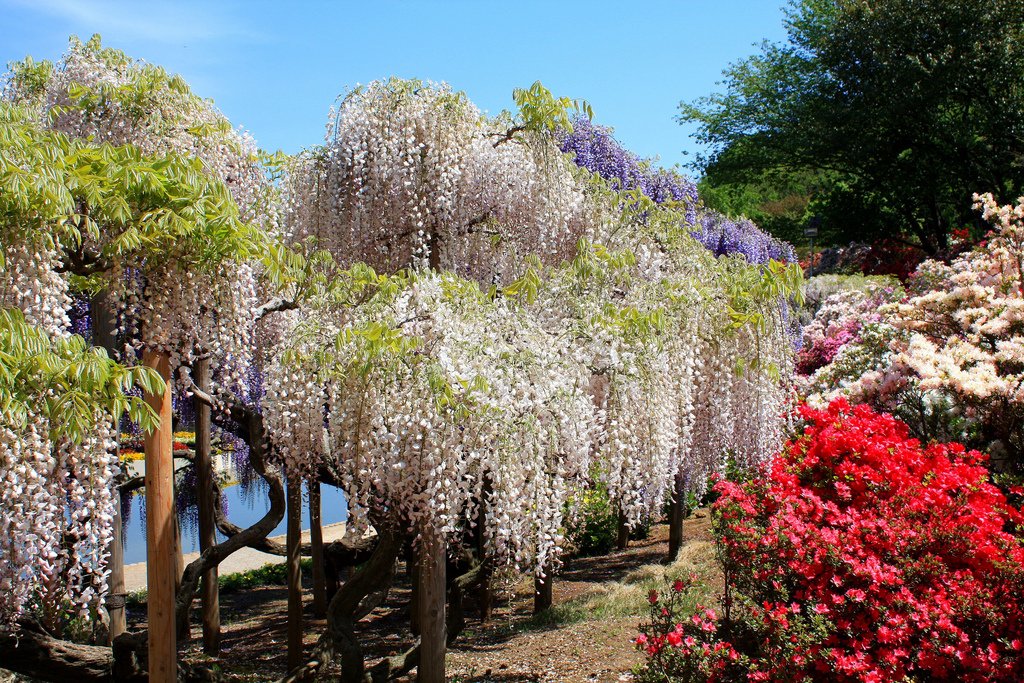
<point x="881" y="116"/>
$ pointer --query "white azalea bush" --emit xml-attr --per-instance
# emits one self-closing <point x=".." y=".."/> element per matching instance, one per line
<point x="947" y="357"/>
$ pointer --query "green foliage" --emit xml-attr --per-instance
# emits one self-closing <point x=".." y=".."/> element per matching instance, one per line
<point x="61" y="191"/>
<point x="271" y="574"/>
<point x="267" y="575"/>
<point x="874" y="116"/>
<point x="596" y="527"/>
<point x="66" y="380"/>
<point x="539" y="110"/>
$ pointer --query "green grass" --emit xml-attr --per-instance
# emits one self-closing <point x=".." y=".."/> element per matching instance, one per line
<point x="267" y="575"/>
<point x="628" y="597"/>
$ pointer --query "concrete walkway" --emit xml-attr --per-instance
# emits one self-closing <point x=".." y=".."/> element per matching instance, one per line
<point x="239" y="561"/>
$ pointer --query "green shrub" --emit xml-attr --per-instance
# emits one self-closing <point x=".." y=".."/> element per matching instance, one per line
<point x="596" y="527"/>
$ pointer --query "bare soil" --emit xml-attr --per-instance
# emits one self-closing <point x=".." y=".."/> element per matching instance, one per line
<point x="513" y="646"/>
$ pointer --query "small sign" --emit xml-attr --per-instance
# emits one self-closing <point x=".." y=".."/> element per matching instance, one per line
<point x="812" y="227"/>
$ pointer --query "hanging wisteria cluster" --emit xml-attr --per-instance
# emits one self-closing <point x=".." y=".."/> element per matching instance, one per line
<point x="413" y="174"/>
<point x="61" y="401"/>
<point x="489" y="330"/>
<point x="440" y="401"/>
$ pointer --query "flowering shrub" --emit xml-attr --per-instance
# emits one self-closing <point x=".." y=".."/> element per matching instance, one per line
<point x="838" y="322"/>
<point x="905" y="551"/>
<point x="686" y="648"/>
<point x="949" y="359"/>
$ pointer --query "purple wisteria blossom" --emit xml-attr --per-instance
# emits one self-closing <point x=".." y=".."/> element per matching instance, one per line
<point x="722" y="235"/>
<point x="595" y="148"/>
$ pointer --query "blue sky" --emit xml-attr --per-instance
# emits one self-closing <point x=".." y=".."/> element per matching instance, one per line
<point x="275" y="68"/>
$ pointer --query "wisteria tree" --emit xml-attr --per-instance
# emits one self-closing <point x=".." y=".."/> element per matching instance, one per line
<point x="157" y="228"/>
<point x="612" y="281"/>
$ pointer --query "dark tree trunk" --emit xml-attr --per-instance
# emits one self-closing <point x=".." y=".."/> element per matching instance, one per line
<point x="543" y="591"/>
<point x="35" y="653"/>
<point x="253" y="434"/>
<point x="676" y="515"/>
<point x="115" y="582"/>
<point x="316" y="543"/>
<point x="207" y="522"/>
<point x="622" y="540"/>
<point x="294" y="540"/>
<point x="484" y="597"/>
<point x="102" y="317"/>
<point x="360" y="595"/>
<point x="432" y="563"/>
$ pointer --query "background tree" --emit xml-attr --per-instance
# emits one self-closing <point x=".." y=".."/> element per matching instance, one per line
<point x="886" y="114"/>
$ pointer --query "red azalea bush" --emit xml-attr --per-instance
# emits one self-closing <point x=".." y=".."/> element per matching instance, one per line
<point x="865" y="556"/>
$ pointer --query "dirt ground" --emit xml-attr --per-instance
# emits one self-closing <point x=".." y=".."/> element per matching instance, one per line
<point x="573" y="644"/>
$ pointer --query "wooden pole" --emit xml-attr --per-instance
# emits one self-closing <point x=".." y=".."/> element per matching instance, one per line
<point x="115" y="582"/>
<point x="210" y="595"/>
<point x="622" y="542"/>
<point x="543" y="591"/>
<point x="160" y="565"/>
<point x="431" y="605"/>
<point x="294" y="548"/>
<point x="676" y="514"/>
<point x="102" y="314"/>
<point x="316" y="542"/>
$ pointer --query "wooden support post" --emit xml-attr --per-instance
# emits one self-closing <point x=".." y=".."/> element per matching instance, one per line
<point x="432" y="566"/>
<point x="115" y="582"/>
<point x="210" y="594"/>
<point x="160" y="565"/>
<point x="622" y="542"/>
<point x="676" y="515"/>
<point x="543" y="590"/>
<point x="316" y="543"/>
<point x="294" y="549"/>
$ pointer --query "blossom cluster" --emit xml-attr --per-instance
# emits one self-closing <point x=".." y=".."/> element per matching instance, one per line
<point x="445" y="405"/>
<point x="838" y="322"/>
<point x="176" y="303"/>
<point x="595" y="148"/>
<point x="684" y="642"/>
<point x="415" y="182"/>
<point x="413" y="173"/>
<point x="119" y="174"/>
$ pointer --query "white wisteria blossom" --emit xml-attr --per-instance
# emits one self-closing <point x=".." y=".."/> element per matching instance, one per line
<point x="413" y="174"/>
<point x="433" y="400"/>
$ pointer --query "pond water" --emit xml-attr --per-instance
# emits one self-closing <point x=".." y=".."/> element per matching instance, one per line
<point x="244" y="509"/>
